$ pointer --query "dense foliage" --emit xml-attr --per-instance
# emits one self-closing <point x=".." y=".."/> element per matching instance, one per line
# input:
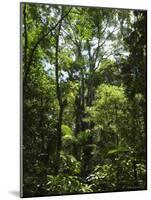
<point x="84" y="99"/>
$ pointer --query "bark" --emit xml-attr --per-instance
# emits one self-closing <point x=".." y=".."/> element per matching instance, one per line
<point x="87" y="158"/>
<point x="61" y="106"/>
<point x="79" y="103"/>
<point x="78" y="115"/>
<point x="83" y="90"/>
<point x="41" y="126"/>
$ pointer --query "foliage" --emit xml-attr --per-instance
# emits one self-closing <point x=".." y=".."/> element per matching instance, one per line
<point x="84" y="99"/>
<point x="66" y="184"/>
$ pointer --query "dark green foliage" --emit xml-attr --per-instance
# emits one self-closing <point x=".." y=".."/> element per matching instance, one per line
<point x="84" y="99"/>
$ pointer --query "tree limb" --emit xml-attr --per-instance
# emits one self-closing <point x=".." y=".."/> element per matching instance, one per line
<point x="36" y="45"/>
<point x="99" y="46"/>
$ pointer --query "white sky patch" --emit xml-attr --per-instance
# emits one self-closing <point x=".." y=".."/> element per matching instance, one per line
<point x="49" y="68"/>
<point x="64" y="76"/>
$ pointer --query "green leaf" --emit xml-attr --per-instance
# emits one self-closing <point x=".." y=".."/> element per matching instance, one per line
<point x="118" y="150"/>
<point x="66" y="130"/>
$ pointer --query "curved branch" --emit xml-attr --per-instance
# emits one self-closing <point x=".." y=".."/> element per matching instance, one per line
<point x="36" y="45"/>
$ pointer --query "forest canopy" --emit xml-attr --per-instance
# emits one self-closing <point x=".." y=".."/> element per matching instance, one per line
<point x="84" y="99"/>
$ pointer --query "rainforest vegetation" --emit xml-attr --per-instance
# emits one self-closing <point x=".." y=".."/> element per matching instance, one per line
<point x="84" y="99"/>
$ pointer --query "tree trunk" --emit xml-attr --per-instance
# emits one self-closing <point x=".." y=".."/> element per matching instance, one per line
<point x="25" y="48"/>
<point x="58" y="92"/>
<point x="59" y="142"/>
<point x="78" y="119"/>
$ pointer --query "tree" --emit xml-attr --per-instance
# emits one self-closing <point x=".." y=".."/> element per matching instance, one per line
<point x="84" y="99"/>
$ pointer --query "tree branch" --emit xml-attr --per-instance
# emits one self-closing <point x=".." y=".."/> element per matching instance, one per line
<point x="57" y="65"/>
<point x="36" y="45"/>
<point x="99" y="46"/>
